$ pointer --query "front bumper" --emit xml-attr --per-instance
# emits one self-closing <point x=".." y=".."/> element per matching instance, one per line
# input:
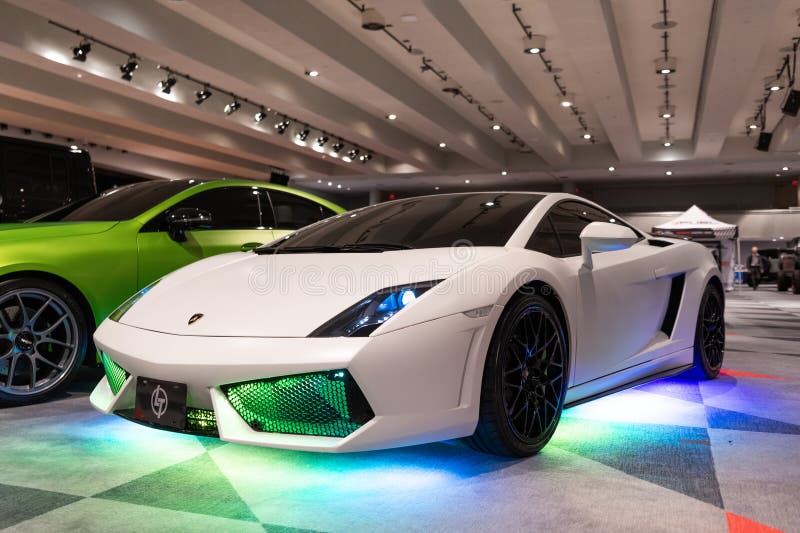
<point x="421" y="382"/>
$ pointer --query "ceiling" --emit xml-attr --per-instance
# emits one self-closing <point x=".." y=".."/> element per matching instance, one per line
<point x="602" y="51"/>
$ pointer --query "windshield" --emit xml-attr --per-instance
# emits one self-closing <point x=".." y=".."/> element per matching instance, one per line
<point x="124" y="203"/>
<point x="440" y="221"/>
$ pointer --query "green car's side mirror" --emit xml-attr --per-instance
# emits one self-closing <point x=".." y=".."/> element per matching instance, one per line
<point x="186" y="218"/>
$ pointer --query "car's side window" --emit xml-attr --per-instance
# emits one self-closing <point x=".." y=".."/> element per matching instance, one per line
<point x="566" y="221"/>
<point x="295" y="212"/>
<point x="544" y="239"/>
<point x="230" y="208"/>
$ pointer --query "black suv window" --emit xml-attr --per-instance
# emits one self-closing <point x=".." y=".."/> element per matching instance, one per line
<point x="230" y="208"/>
<point x="294" y="212"/>
<point x="565" y="222"/>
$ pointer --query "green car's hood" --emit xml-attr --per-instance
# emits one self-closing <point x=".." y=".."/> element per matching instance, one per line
<point x="25" y="231"/>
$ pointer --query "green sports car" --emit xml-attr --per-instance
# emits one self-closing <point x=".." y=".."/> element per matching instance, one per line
<point x="63" y="274"/>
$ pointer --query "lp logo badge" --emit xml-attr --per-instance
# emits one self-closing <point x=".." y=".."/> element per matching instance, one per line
<point x="159" y="401"/>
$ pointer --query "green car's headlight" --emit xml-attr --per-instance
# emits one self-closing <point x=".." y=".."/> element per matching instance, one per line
<point x="370" y="313"/>
<point x="127" y="304"/>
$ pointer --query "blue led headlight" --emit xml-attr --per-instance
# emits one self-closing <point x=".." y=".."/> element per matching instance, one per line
<point x="127" y="304"/>
<point x="370" y="313"/>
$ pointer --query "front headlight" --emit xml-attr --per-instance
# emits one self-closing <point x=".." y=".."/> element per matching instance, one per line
<point x="367" y="315"/>
<point x="127" y="304"/>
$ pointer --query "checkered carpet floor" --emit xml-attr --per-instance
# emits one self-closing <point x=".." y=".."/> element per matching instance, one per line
<point x="676" y="454"/>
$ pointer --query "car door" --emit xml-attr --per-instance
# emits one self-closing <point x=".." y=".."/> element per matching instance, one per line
<point x="622" y="302"/>
<point x="241" y="219"/>
<point x="294" y="212"/>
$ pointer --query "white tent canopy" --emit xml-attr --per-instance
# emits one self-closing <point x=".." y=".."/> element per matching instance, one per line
<point x="696" y="218"/>
<point x="693" y="222"/>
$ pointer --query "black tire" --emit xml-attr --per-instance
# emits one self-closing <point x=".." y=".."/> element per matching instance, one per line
<point x="709" y="338"/>
<point x="44" y="336"/>
<point x="784" y="280"/>
<point x="524" y="380"/>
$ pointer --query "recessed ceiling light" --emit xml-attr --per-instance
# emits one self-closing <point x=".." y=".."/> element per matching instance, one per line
<point x="466" y="181"/>
<point x="611" y="169"/>
<point x="391" y="116"/>
<point x="319" y="181"/>
<point x="312" y="73"/>
<point x="442" y="145"/>
<point x="785" y="168"/>
<point x="668" y="173"/>
<point x="587" y="135"/>
<point x="330" y="183"/>
<point x="496" y="127"/>
<point x="777" y="174"/>
<point x="408" y="17"/>
<point x="436" y="188"/>
<point x="566" y="100"/>
<point x="504" y="173"/>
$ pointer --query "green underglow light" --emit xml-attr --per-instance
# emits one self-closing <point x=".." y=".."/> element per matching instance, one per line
<point x="201" y="421"/>
<point x="322" y="403"/>
<point x="115" y="374"/>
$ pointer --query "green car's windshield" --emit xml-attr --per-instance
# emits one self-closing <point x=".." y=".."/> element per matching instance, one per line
<point x="123" y="203"/>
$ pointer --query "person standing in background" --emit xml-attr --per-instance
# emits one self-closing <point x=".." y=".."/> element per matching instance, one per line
<point x="755" y="264"/>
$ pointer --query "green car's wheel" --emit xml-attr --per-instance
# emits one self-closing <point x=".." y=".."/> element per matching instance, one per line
<point x="43" y="339"/>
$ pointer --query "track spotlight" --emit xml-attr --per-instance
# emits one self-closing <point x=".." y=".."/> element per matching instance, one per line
<point x="668" y="173"/>
<point x="129" y="68"/>
<point x="232" y="107"/>
<point x="312" y="73"/>
<point x="372" y="20"/>
<point x="202" y="95"/>
<point x="567" y="100"/>
<point x="281" y="126"/>
<point x="774" y="83"/>
<point x="666" y="65"/>
<point x="534" y="45"/>
<point x="667" y="142"/>
<point x="260" y="115"/>
<point x="167" y="84"/>
<point x="364" y="158"/>
<point x="496" y="127"/>
<point x="352" y="154"/>
<point x="666" y="111"/>
<point x="303" y="134"/>
<point x="80" y="52"/>
<point x="586" y="135"/>
<point x="336" y="148"/>
<point x="751" y="124"/>
<point x="322" y="140"/>
<point x="391" y="116"/>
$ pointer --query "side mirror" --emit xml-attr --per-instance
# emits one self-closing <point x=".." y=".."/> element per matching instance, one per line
<point x="605" y="237"/>
<point x="186" y="218"/>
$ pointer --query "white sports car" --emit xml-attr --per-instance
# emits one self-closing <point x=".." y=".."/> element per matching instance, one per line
<point x="477" y="315"/>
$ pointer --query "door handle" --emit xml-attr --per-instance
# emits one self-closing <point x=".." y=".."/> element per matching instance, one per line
<point x="249" y="246"/>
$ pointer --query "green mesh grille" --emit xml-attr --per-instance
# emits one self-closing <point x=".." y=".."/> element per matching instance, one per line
<point x="201" y="421"/>
<point x="115" y="374"/>
<point x="327" y="404"/>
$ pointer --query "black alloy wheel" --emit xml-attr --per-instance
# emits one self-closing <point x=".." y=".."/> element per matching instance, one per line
<point x="524" y="380"/>
<point x="709" y="344"/>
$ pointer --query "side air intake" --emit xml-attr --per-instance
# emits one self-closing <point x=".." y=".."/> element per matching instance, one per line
<point x="674" y="303"/>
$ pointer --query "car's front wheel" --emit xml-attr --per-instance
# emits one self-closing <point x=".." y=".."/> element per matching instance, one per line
<point x="524" y="380"/>
<point x="43" y="339"/>
<point x="709" y="340"/>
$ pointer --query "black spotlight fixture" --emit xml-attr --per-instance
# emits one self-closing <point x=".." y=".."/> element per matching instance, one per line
<point x="352" y="154"/>
<point x="321" y="140"/>
<point x="260" y="115"/>
<point x="303" y="134"/>
<point x="337" y="147"/>
<point x="129" y="68"/>
<point x="281" y="126"/>
<point x="232" y="107"/>
<point x="167" y="84"/>
<point x="202" y="95"/>
<point x="791" y="104"/>
<point x="365" y="157"/>
<point x="764" y="140"/>
<point x="80" y="52"/>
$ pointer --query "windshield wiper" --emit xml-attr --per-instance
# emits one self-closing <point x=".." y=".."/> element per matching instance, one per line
<point x="322" y="249"/>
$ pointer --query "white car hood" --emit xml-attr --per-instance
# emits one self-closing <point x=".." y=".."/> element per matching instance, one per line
<point x="284" y="295"/>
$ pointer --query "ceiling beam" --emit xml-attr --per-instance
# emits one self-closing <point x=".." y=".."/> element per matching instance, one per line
<point x="738" y="31"/>
<point x="590" y="34"/>
<point x="525" y="117"/>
